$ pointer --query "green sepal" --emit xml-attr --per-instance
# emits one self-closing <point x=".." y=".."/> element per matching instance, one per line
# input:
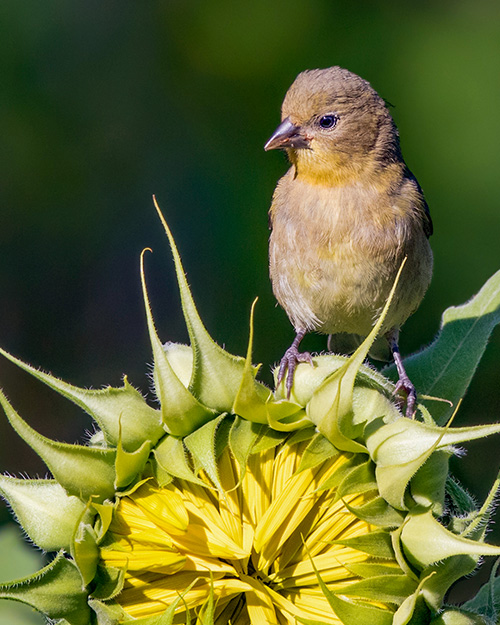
<point x="440" y="543"/>
<point x="374" y="569"/>
<point x="84" y="550"/>
<point x="202" y="446"/>
<point x="318" y="450"/>
<point x="82" y="471"/>
<point x="181" y="412"/>
<point x="107" y="406"/>
<point x="301" y="435"/>
<point x="413" y="610"/>
<point x="399" y="554"/>
<point x="216" y="373"/>
<point x="154" y="469"/>
<point x="206" y="614"/>
<point x="307" y="379"/>
<point x="427" y="487"/>
<point x="445" y="368"/>
<point x="242" y="438"/>
<point x="268" y="438"/>
<point x="252" y="396"/>
<point x="130" y="464"/>
<point x="331" y="405"/>
<point x="44" y="510"/>
<point x="377" y="543"/>
<point x="171" y="456"/>
<point x="457" y="616"/>
<point x="349" y="611"/>
<point x="103" y="519"/>
<point x="401" y="447"/>
<point x="463" y="502"/>
<point x="343" y="472"/>
<point x="445" y="574"/>
<point x="55" y="591"/>
<point x="108" y="582"/>
<point x="360" y="480"/>
<point x="377" y="512"/>
<point x="384" y="588"/>
<point x="109" y="613"/>
<point x="286" y="416"/>
<point x="180" y="358"/>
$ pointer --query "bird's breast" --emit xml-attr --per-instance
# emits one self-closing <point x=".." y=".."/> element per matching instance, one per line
<point x="335" y="252"/>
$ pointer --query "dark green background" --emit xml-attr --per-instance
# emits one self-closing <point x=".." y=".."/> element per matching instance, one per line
<point x="103" y="104"/>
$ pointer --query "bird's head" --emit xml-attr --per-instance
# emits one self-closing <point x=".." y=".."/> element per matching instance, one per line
<point x="335" y="127"/>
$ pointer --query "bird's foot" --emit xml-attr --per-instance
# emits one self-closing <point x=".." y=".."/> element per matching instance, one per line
<point x="404" y="384"/>
<point x="289" y="362"/>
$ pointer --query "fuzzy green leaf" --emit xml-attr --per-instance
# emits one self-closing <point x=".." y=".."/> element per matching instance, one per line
<point x="207" y="612"/>
<point x="377" y="512"/>
<point x="487" y="600"/>
<point x="376" y="543"/>
<point x="82" y="471"/>
<point x="181" y="412"/>
<point x="217" y="374"/>
<point x="45" y="511"/>
<point x="85" y="552"/>
<point x="412" y="610"/>
<point x="268" y="438"/>
<point x="55" y="591"/>
<point x="386" y="588"/>
<point x="439" y="542"/>
<point x="252" y="397"/>
<point x="446" y="366"/>
<point x="318" y="450"/>
<point x="108" y="582"/>
<point x="400" y="448"/>
<point x="350" y="612"/>
<point x="445" y="574"/>
<point x="457" y="616"/>
<point x="171" y="456"/>
<point x="107" y="407"/>
<point x="242" y="438"/>
<point x="427" y="487"/>
<point x="108" y="613"/>
<point x="129" y="464"/>
<point x="201" y="444"/>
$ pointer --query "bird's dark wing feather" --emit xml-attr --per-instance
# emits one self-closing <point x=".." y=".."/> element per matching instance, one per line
<point x="427" y="223"/>
<point x="424" y="207"/>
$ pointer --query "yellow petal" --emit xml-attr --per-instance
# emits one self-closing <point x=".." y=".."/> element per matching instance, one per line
<point x="164" y="507"/>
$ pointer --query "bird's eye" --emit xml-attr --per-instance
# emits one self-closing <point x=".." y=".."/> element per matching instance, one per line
<point x="328" y="121"/>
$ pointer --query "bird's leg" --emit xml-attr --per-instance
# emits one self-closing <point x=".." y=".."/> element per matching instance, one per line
<point x="290" y="360"/>
<point x="404" y="382"/>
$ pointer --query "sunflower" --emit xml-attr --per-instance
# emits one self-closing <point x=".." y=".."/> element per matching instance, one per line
<point x="232" y="504"/>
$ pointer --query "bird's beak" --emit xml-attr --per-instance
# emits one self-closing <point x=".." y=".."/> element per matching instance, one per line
<point x="287" y="135"/>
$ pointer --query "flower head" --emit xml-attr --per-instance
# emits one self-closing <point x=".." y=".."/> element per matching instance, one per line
<point x="232" y="504"/>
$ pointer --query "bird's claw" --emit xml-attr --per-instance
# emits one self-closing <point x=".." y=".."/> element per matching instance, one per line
<point x="289" y="362"/>
<point x="404" y="384"/>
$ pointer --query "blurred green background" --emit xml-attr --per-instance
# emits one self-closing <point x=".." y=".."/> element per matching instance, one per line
<point x="103" y="104"/>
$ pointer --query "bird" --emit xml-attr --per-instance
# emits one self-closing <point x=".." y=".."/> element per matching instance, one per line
<point x="343" y="218"/>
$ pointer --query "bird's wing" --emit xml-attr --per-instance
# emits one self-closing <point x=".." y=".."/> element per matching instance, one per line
<point x="427" y="220"/>
<point x="422" y="205"/>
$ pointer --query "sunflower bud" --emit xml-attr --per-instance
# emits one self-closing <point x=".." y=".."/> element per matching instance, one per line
<point x="233" y="504"/>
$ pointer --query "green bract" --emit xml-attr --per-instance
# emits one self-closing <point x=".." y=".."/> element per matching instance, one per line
<point x="210" y="405"/>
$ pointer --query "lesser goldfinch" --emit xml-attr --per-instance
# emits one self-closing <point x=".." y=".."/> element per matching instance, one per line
<point x="343" y="218"/>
